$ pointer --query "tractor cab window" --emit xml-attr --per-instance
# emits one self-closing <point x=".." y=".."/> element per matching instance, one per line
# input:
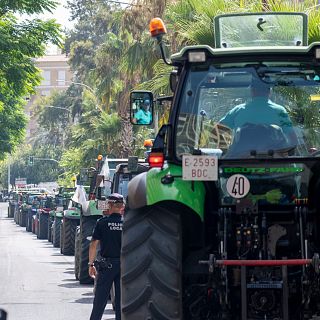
<point x="251" y="110"/>
<point x="123" y="184"/>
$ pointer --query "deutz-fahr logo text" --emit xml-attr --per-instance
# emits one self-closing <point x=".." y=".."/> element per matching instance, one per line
<point x="263" y="170"/>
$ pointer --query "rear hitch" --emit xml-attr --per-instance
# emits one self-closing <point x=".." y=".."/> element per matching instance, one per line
<point x="214" y="263"/>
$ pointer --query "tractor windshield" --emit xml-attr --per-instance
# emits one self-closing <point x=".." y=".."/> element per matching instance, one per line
<point x="261" y="29"/>
<point x="251" y="110"/>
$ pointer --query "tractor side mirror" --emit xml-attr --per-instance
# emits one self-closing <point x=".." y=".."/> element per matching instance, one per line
<point x="141" y="107"/>
<point x="174" y="80"/>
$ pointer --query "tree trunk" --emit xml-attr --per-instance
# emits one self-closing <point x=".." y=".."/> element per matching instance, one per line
<point x="126" y="144"/>
<point x="265" y="6"/>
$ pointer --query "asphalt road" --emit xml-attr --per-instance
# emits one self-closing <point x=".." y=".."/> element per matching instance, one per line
<point x="36" y="281"/>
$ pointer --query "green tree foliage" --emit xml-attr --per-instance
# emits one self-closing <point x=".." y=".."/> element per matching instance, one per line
<point x="71" y="163"/>
<point x="54" y="115"/>
<point x="111" y="51"/>
<point x="96" y="133"/>
<point x="20" y="43"/>
<point x="26" y="6"/>
<point x="190" y="22"/>
<point x="41" y="171"/>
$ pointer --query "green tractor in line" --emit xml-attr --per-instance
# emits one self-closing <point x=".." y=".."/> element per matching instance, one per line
<point x="22" y="207"/>
<point x="70" y="221"/>
<point x="226" y="224"/>
<point x="28" y="209"/>
<point x="20" y="198"/>
<point x="88" y="217"/>
<point x="43" y="216"/>
<point x="56" y="216"/>
<point x="100" y="187"/>
<point x="14" y="200"/>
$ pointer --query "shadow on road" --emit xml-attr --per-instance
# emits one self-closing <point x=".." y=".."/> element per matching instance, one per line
<point x="69" y="285"/>
<point x="56" y="262"/>
<point x="84" y="300"/>
<point x="108" y="311"/>
<point x="57" y="254"/>
<point x="90" y="294"/>
<point x="74" y="284"/>
<point x="46" y="243"/>
<point x="69" y="272"/>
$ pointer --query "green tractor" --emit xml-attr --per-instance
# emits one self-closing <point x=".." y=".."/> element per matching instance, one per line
<point x="22" y="207"/>
<point x="61" y="200"/>
<point x="14" y="199"/>
<point x="43" y="215"/>
<point x="69" y="223"/>
<point x="96" y="208"/>
<point x="59" y="204"/>
<point x="88" y="216"/>
<point x="226" y="224"/>
<point x="33" y="202"/>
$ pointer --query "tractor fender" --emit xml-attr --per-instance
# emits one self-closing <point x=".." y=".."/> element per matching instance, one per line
<point x="137" y="193"/>
<point x="149" y="188"/>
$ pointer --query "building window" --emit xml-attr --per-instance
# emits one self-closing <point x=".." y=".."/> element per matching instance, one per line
<point x="61" y="78"/>
<point x="46" y="75"/>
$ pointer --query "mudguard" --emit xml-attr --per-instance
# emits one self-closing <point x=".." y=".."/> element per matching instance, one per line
<point x="72" y="214"/>
<point x="58" y="214"/>
<point x="92" y="209"/>
<point x="151" y="187"/>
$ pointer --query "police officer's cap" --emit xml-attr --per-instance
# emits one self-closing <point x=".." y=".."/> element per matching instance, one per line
<point x="115" y="198"/>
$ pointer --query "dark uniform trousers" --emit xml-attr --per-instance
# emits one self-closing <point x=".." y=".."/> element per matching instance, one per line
<point x="107" y="275"/>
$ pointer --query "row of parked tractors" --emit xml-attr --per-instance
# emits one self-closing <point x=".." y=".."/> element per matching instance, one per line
<point x="66" y="223"/>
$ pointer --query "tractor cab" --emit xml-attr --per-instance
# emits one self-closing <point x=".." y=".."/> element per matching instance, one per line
<point x="229" y="207"/>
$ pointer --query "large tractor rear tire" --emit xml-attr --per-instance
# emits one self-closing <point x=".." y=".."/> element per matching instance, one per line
<point x="23" y="219"/>
<point x="68" y="236"/>
<point x="16" y="214"/>
<point x="33" y="228"/>
<point x="29" y="221"/>
<point x="19" y="217"/>
<point x="11" y="209"/>
<point x="77" y="253"/>
<point x="56" y="232"/>
<point x="49" y="232"/>
<point x="151" y="258"/>
<point x="87" y="225"/>
<point x="43" y="226"/>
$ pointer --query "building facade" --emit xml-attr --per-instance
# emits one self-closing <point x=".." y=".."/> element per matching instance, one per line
<point x="56" y="75"/>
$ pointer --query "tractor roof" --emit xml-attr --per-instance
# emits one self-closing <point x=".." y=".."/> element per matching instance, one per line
<point x="243" y="34"/>
<point x="244" y="52"/>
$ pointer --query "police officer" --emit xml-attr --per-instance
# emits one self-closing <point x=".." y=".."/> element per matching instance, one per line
<point x="107" y="233"/>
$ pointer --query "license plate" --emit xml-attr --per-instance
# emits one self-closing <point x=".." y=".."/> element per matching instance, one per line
<point x="199" y="168"/>
<point x="102" y="205"/>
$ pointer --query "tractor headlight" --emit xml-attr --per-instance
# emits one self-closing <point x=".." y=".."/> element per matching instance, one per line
<point x="197" y="56"/>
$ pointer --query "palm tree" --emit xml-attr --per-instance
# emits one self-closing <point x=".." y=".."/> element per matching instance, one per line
<point x="190" y="22"/>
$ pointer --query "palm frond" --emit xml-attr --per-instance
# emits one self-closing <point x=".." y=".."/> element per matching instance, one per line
<point x="159" y="84"/>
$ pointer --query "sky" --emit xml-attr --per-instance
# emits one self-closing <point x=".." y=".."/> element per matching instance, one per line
<point x="61" y="14"/>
